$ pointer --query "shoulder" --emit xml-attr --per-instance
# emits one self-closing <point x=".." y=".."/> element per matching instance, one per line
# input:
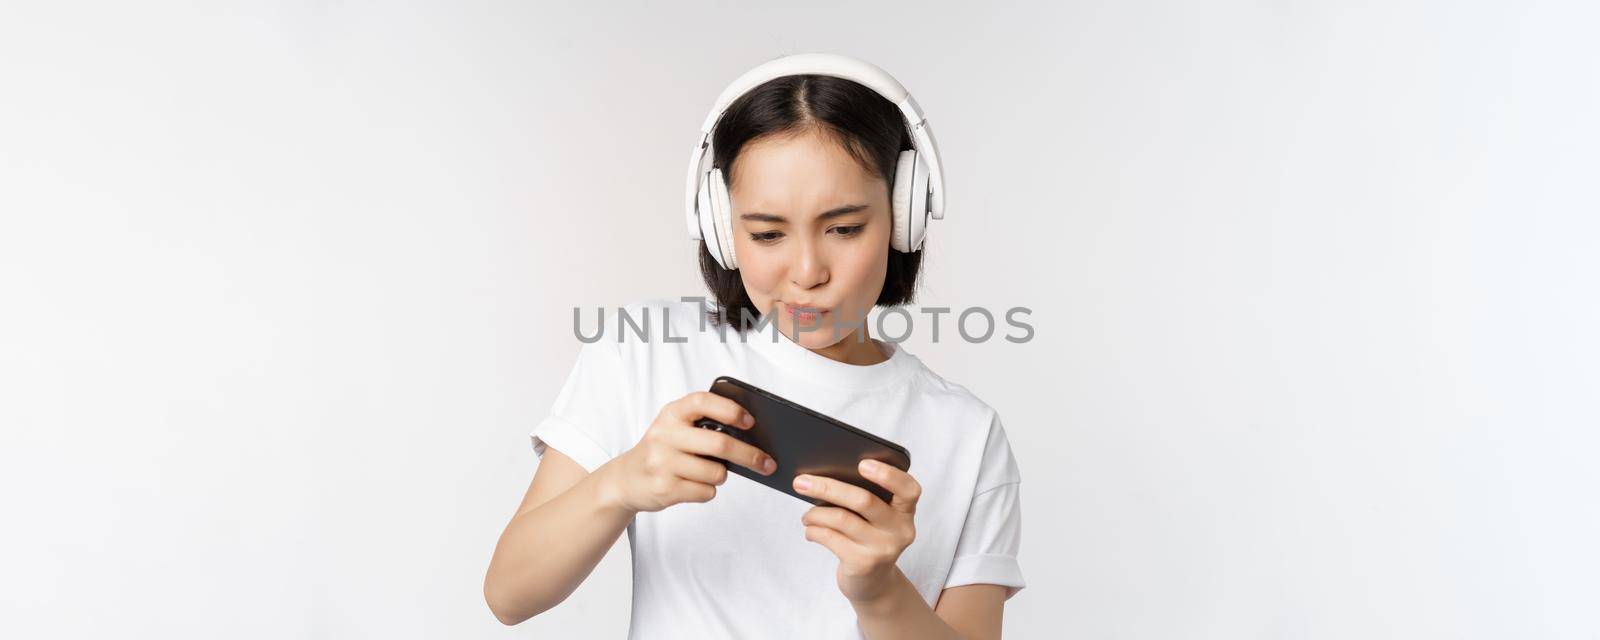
<point x="981" y="432"/>
<point x="954" y="398"/>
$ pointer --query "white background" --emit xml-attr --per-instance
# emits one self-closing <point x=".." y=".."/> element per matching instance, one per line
<point x="283" y="286"/>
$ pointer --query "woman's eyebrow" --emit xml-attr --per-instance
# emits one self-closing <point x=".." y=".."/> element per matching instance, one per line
<point x="835" y="212"/>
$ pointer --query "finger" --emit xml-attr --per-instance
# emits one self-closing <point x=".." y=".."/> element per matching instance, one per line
<point x="844" y="521"/>
<point x="698" y="469"/>
<point x="704" y="404"/>
<point x="907" y="491"/>
<point x="691" y="491"/>
<point x="843" y="494"/>
<point x="721" y="445"/>
<point x="837" y="542"/>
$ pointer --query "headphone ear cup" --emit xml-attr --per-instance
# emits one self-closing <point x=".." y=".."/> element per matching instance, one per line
<point x="722" y="213"/>
<point x="706" y="215"/>
<point x="901" y="199"/>
<point x="917" y="216"/>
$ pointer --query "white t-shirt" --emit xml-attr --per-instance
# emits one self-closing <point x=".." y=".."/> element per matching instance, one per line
<point x="739" y="566"/>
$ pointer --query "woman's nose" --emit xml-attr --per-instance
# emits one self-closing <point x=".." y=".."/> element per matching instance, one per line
<point x="810" y="268"/>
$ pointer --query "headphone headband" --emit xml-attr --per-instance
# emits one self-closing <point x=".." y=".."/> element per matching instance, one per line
<point x="825" y="64"/>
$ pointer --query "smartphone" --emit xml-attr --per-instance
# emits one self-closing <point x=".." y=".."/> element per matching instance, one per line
<point x="802" y="441"/>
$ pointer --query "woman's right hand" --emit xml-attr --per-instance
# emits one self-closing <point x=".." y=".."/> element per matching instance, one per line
<point x="663" y="469"/>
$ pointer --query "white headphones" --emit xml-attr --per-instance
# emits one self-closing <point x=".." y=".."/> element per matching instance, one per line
<point x="917" y="185"/>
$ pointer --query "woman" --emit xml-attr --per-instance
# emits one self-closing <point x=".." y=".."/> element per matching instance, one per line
<point x="810" y="163"/>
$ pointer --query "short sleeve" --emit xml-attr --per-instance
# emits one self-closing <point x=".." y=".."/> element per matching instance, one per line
<point x="991" y="537"/>
<point x="590" y="420"/>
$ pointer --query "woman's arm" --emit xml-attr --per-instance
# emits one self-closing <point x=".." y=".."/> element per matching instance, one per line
<point x="968" y="612"/>
<point x="975" y="610"/>
<point x="565" y="525"/>
<point x="570" y="518"/>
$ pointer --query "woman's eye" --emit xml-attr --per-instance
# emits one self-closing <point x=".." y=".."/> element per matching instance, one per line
<point x="848" y="231"/>
<point x="766" y="236"/>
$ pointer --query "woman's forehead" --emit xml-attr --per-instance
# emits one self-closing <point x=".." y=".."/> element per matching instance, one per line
<point x="806" y="171"/>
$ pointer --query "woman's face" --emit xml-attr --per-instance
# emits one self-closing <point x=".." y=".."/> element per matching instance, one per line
<point x="811" y="229"/>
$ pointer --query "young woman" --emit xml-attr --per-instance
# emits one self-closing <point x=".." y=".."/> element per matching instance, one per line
<point x="810" y="161"/>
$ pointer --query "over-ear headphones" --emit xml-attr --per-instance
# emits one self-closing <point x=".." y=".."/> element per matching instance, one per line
<point x="917" y="186"/>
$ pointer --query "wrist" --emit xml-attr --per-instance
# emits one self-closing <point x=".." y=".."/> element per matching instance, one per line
<point x="608" y="494"/>
<point x="888" y="600"/>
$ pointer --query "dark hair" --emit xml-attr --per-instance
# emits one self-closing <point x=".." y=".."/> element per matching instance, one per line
<point x="866" y="124"/>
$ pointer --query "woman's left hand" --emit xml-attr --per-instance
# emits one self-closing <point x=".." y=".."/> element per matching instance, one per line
<point x="867" y="544"/>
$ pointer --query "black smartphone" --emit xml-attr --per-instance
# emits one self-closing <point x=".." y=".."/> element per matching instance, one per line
<point x="801" y="440"/>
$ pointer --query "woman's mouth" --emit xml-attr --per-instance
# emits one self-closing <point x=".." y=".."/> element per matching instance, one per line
<point x="804" y="314"/>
